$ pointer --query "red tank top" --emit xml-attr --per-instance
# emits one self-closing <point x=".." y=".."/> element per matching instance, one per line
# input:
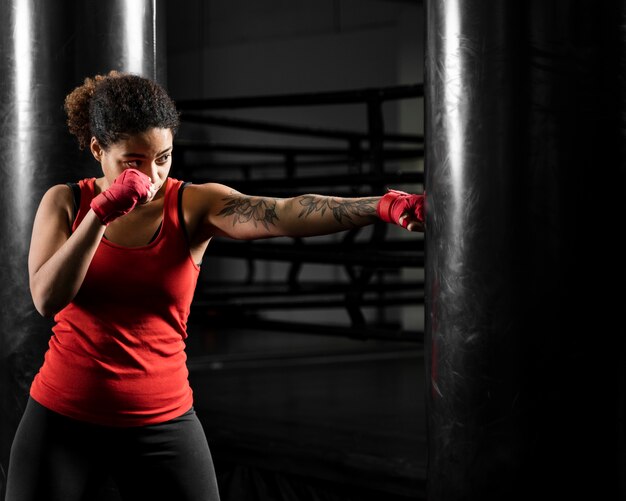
<point x="116" y="356"/>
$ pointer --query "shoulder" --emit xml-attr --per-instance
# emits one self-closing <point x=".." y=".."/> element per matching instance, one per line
<point x="59" y="195"/>
<point x="200" y="202"/>
<point x="204" y="197"/>
<point x="57" y="202"/>
<point x="211" y="189"/>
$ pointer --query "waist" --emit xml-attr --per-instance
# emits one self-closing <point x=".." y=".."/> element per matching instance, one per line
<point x="144" y="387"/>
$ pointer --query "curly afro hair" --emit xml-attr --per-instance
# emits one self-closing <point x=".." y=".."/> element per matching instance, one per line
<point x="113" y="106"/>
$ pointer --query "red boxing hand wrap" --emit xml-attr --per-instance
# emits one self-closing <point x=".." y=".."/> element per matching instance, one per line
<point x="121" y="197"/>
<point x="396" y="203"/>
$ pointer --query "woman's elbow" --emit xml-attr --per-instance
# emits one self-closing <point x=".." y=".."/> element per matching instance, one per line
<point x="46" y="309"/>
<point x="46" y="304"/>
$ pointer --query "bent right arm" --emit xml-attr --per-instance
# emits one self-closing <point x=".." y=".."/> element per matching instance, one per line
<point x="58" y="259"/>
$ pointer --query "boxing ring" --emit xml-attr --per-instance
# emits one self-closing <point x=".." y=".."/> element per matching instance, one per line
<point x="307" y="377"/>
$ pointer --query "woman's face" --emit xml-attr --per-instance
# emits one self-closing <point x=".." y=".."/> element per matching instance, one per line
<point x="149" y="152"/>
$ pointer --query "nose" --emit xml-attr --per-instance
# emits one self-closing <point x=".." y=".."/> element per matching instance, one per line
<point x="152" y="172"/>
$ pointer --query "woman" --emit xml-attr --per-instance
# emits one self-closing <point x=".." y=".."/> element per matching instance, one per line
<point x="115" y="260"/>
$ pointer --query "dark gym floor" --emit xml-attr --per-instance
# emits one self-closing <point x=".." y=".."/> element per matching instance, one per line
<point x="349" y="417"/>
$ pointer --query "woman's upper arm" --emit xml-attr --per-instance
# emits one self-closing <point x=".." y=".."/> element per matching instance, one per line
<point x="51" y="227"/>
<point x="213" y="209"/>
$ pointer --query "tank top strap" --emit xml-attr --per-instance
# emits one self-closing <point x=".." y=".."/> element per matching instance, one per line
<point x="171" y="209"/>
<point x="87" y="190"/>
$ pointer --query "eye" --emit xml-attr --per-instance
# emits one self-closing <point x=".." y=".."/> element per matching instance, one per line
<point x="133" y="164"/>
<point x="164" y="159"/>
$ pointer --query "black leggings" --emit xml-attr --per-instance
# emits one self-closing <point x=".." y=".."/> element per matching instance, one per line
<point x="57" y="458"/>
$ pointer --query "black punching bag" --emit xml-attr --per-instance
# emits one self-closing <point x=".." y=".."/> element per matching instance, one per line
<point x="121" y="35"/>
<point x="524" y="175"/>
<point x="35" y="69"/>
<point x="46" y="49"/>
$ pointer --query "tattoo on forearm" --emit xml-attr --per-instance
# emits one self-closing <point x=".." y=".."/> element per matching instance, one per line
<point x="256" y="209"/>
<point x="342" y="209"/>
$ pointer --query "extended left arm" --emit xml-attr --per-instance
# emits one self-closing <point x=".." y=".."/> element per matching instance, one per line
<point x="240" y="216"/>
<point x="243" y="216"/>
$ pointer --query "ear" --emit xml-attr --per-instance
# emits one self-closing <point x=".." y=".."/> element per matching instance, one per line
<point x="96" y="149"/>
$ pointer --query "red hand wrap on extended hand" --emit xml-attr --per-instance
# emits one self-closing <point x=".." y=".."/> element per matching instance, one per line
<point x="120" y="198"/>
<point x="396" y="203"/>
